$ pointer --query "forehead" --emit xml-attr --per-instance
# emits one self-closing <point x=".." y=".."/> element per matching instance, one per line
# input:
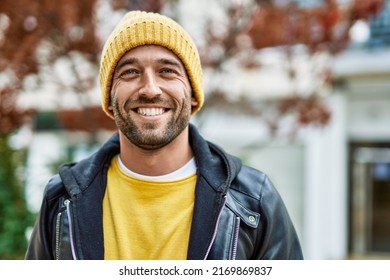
<point x="150" y="53"/>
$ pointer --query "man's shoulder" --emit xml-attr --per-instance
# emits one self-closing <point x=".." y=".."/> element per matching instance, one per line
<point x="251" y="182"/>
<point x="54" y="188"/>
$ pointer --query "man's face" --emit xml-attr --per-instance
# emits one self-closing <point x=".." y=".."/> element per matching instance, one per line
<point x="151" y="96"/>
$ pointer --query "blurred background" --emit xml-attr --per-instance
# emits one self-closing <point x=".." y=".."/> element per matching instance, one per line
<point x="297" y="88"/>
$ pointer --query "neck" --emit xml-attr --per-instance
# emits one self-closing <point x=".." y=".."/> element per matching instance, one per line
<point x="156" y="162"/>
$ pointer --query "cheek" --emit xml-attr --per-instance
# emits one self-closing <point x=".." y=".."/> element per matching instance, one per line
<point x="180" y="91"/>
<point x="116" y="101"/>
<point x="114" y="93"/>
<point x="116" y="88"/>
<point x="119" y="93"/>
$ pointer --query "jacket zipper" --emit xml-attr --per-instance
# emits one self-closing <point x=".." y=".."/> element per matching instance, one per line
<point x="215" y="229"/>
<point x="67" y="204"/>
<point x="235" y="240"/>
<point x="58" y="224"/>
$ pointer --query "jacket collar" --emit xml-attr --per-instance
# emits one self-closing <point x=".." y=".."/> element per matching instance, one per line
<point x="77" y="177"/>
<point x="214" y="165"/>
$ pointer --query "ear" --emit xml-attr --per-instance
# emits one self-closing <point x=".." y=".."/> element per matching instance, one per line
<point x="110" y="107"/>
<point x="194" y="101"/>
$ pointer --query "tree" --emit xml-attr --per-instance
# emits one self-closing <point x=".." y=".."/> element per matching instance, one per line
<point x="35" y="36"/>
<point x="314" y="33"/>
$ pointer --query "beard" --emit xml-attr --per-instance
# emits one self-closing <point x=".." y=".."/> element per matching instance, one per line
<point x="152" y="135"/>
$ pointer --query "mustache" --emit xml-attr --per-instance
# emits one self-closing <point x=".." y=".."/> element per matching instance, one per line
<point x="147" y="100"/>
<point x="142" y="100"/>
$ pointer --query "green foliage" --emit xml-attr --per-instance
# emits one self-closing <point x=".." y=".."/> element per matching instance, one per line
<point x="15" y="217"/>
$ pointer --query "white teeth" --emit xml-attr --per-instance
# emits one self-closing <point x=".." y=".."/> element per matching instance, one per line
<point x="150" y="111"/>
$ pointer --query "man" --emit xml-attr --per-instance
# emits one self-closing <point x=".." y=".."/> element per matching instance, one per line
<point x="157" y="189"/>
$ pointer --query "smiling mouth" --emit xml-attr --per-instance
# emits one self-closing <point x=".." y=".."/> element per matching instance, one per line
<point x="151" y="111"/>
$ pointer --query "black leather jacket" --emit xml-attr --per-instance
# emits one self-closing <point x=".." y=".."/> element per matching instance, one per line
<point x="238" y="214"/>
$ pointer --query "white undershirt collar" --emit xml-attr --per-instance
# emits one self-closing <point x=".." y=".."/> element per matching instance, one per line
<point x="183" y="172"/>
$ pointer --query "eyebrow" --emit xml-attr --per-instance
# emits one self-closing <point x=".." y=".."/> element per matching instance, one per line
<point x="128" y="61"/>
<point x="170" y="62"/>
<point x="133" y="60"/>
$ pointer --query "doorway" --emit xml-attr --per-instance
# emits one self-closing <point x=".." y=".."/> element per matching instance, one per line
<point x="369" y="200"/>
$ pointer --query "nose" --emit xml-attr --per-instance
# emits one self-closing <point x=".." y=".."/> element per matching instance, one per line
<point x="150" y="86"/>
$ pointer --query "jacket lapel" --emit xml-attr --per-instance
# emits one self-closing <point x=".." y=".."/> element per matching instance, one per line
<point x="215" y="173"/>
<point x="86" y="183"/>
<point x="207" y="209"/>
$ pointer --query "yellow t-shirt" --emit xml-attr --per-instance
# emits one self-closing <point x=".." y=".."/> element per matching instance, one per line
<point x="146" y="220"/>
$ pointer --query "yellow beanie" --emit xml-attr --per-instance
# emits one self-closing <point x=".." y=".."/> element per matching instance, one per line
<point x="139" y="28"/>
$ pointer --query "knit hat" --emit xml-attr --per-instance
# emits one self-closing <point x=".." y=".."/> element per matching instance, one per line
<point x="139" y="28"/>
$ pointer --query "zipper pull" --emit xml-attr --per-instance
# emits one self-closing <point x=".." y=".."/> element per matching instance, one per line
<point x="67" y="203"/>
